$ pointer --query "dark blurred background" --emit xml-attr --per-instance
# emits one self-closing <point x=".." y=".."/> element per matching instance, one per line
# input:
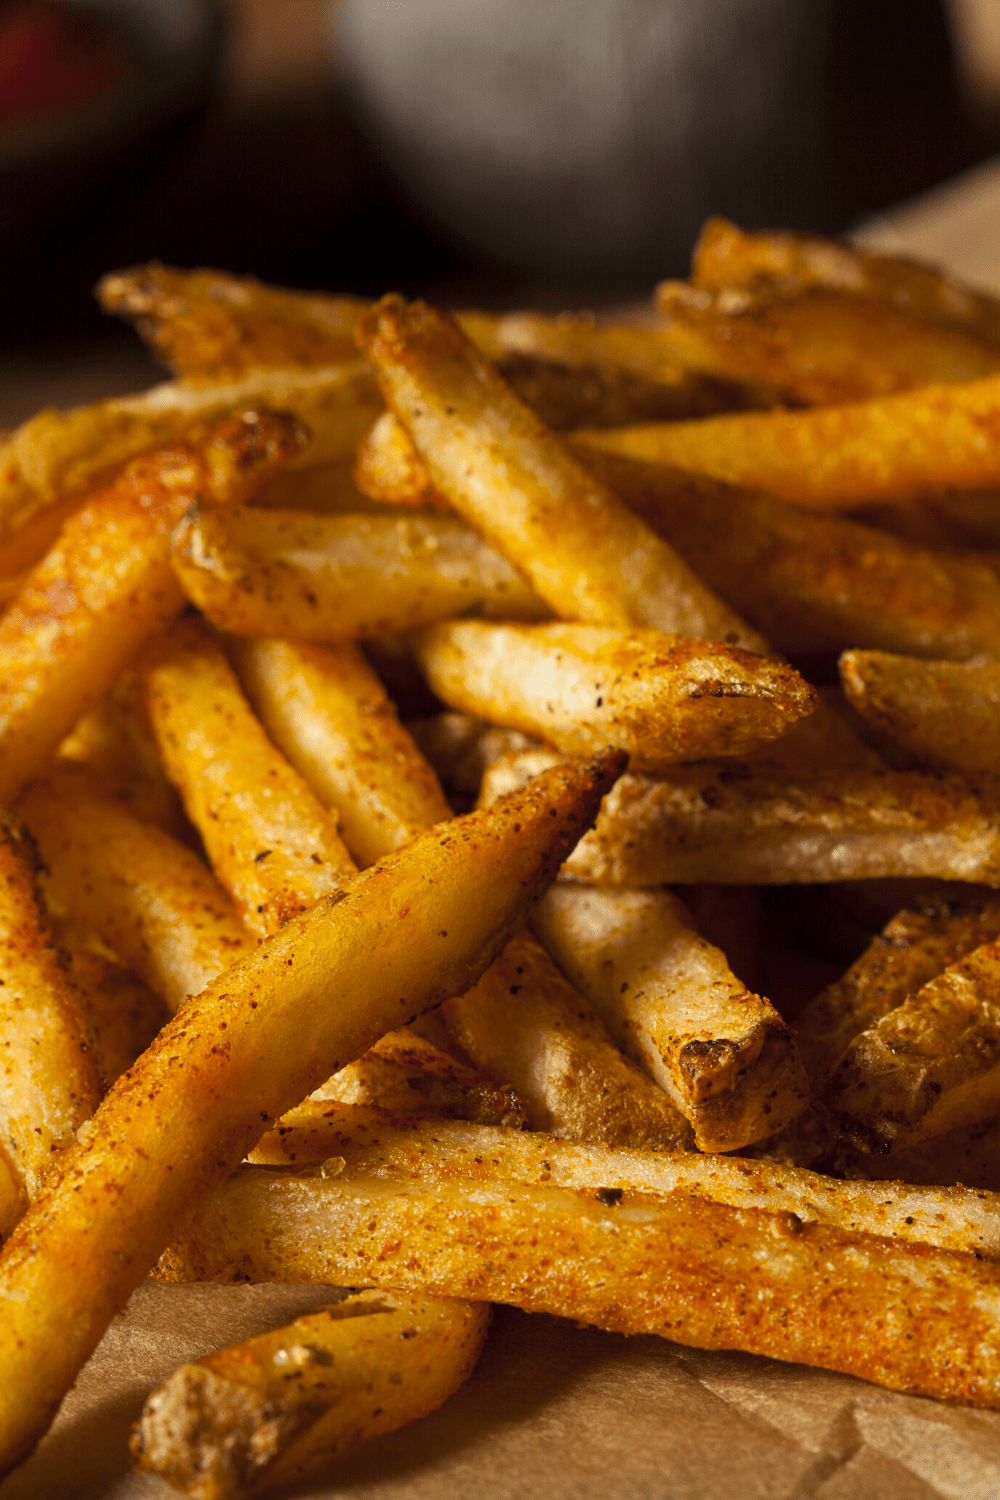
<point x="498" y="152"/>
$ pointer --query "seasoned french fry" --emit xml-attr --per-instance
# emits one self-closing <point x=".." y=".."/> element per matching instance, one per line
<point x="815" y="583"/>
<point x="258" y="1413"/>
<point x="407" y="1074"/>
<point x="909" y="1316"/>
<point x="968" y="1157"/>
<point x="781" y="264"/>
<point x="662" y="698"/>
<point x="152" y="900"/>
<point x="929" y="1065"/>
<point x="208" y="325"/>
<point x="460" y="749"/>
<point x="323" y="578"/>
<point x="56" y="456"/>
<point x="123" y="1013"/>
<point x="584" y="553"/>
<point x="107" y="587"/>
<point x="557" y="1055"/>
<point x="271" y="844"/>
<point x="890" y="448"/>
<point x="755" y="825"/>
<point x="917" y="944"/>
<point x="670" y="999"/>
<point x="51" y="1077"/>
<point x="946" y="713"/>
<point x="328" y="712"/>
<point x="310" y="999"/>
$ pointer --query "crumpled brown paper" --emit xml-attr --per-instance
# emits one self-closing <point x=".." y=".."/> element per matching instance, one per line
<point x="552" y="1410"/>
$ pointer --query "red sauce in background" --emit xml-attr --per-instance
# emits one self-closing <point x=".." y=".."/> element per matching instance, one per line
<point x="53" y="57"/>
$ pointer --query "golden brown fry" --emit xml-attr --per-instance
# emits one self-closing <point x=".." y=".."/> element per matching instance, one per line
<point x="945" y="713"/>
<point x="699" y="1272"/>
<point x="664" y="699"/>
<point x="153" y="901"/>
<point x="929" y="1065"/>
<point x="208" y="325"/>
<point x="271" y="844"/>
<point x="968" y="1157"/>
<point x="107" y="586"/>
<point x="260" y="1413"/>
<point x="586" y="555"/>
<point x="123" y="1013"/>
<point x="309" y="1000"/>
<point x="917" y="944"/>
<point x="724" y="1055"/>
<point x="407" y="1074"/>
<point x="815" y="583"/>
<point x="328" y="712"/>
<point x="459" y="749"/>
<point x="781" y="264"/>
<point x="390" y="470"/>
<point x="323" y="578"/>
<point x="894" y="448"/>
<point x="525" y="1023"/>
<point x="757" y="825"/>
<point x="51" y="1079"/>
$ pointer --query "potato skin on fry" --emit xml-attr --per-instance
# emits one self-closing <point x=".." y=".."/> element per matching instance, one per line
<point x="260" y="1412"/>
<point x="661" y="698"/>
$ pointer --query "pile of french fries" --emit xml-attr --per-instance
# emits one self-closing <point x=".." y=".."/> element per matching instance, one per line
<point x="452" y="1010"/>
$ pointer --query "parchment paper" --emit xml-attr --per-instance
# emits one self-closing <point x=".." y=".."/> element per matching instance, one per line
<point x="556" y="1410"/>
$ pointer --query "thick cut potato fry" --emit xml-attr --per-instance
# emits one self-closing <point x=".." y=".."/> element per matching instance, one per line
<point x="328" y="712"/>
<point x="917" y="944"/>
<point x="930" y="1065"/>
<point x="662" y="698"/>
<point x="909" y="1316"/>
<point x="405" y="935"/>
<point x="523" y="1022"/>
<point x="460" y="748"/>
<point x="782" y="264"/>
<point x="755" y="825"/>
<point x="815" y="583"/>
<point x="271" y="844"/>
<point x="407" y="1074"/>
<point x="945" y="713"/>
<point x="584" y="553"/>
<point x="820" y="347"/>
<point x="123" y="1013"/>
<point x="323" y="578"/>
<point x="896" y="448"/>
<point x="260" y="1413"/>
<point x="51" y="1080"/>
<point x="968" y="1157"/>
<point x="670" y="999"/>
<point x="107" y="587"/>
<point x="389" y="469"/>
<point x="360" y="1140"/>
<point x="152" y="900"/>
<point x="58" y="455"/>
<point x="208" y="325"/>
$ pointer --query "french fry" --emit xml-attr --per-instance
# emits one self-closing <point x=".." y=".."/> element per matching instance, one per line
<point x="152" y="900"/>
<point x="755" y="825"/>
<point x="123" y="1013"/>
<point x="892" y="448"/>
<point x="908" y="1316"/>
<point x="107" y="587"/>
<point x="405" y="1073"/>
<point x="309" y="1000"/>
<point x="916" y="944"/>
<point x="969" y="1157"/>
<point x="271" y="844"/>
<point x="259" y="1413"/>
<point x="931" y="1064"/>
<point x="51" y="1077"/>
<point x="724" y="1055"/>
<point x="208" y="325"/>
<point x="946" y="713"/>
<point x="557" y="1055"/>
<point x="58" y="456"/>
<point x="460" y="748"/>
<point x="323" y="578"/>
<point x="663" y="699"/>
<point x="389" y="469"/>
<point x="815" y="583"/>
<point x="781" y="264"/>
<point x="328" y="712"/>
<point x="584" y="553"/>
